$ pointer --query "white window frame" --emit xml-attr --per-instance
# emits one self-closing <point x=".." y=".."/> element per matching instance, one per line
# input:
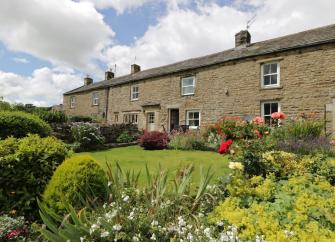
<point x="151" y="117"/>
<point x="184" y="86"/>
<point x="270" y="74"/>
<point x="132" y="92"/>
<point x="130" y="118"/>
<point x="269" y="102"/>
<point x="188" y="120"/>
<point x="95" y="99"/>
<point x="72" y="101"/>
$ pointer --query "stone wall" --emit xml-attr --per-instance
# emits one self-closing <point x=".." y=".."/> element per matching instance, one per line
<point x="84" y="104"/>
<point x="307" y="83"/>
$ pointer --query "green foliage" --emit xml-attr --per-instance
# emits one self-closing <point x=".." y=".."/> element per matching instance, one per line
<point x="51" y="117"/>
<point x="4" y="106"/>
<point x="19" y="124"/>
<point x="146" y="213"/>
<point x="26" y="166"/>
<point x="125" y="137"/>
<point x="188" y="141"/>
<point x="297" y="209"/>
<point x="87" y="137"/>
<point x="79" y="118"/>
<point x="75" y="181"/>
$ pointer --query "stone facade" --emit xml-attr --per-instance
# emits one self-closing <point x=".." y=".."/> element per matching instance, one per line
<point x="307" y="84"/>
<point x="84" y="105"/>
<point x="229" y="87"/>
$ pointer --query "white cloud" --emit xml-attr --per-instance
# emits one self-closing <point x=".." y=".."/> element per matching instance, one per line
<point x="184" y="33"/>
<point x="20" y="60"/>
<point x="43" y="88"/>
<point x="63" y="32"/>
<point x="119" y="5"/>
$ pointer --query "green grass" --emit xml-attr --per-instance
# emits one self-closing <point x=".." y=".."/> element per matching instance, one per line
<point x="135" y="158"/>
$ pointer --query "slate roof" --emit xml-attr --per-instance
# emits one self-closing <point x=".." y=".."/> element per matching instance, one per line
<point x="304" y="39"/>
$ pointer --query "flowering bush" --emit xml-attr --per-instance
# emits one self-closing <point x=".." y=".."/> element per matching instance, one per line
<point x="224" y="147"/>
<point x="86" y="136"/>
<point x="278" y="116"/>
<point x="297" y="209"/>
<point x="154" y="140"/>
<point x="12" y="229"/>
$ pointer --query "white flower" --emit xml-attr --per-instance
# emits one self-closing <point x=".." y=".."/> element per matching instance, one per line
<point x="111" y="215"/>
<point x="117" y="227"/>
<point x="93" y="228"/>
<point x="190" y="237"/>
<point x="153" y="237"/>
<point x="104" y="234"/>
<point x="135" y="238"/>
<point x="131" y="216"/>
<point x="82" y="239"/>
<point x="207" y="232"/>
<point x="236" y="166"/>
<point x="181" y="222"/>
<point x="154" y="223"/>
<point x="126" y="198"/>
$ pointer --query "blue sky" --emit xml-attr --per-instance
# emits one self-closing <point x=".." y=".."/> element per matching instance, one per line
<point x="47" y="47"/>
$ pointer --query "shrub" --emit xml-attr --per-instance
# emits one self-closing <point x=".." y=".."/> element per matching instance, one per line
<point x="51" y="117"/>
<point x="114" y="131"/>
<point x="76" y="180"/>
<point x="187" y="141"/>
<point x="154" y="140"/>
<point x="26" y="166"/>
<point x="78" y="118"/>
<point x="12" y="229"/>
<point x="297" y="209"/>
<point x="87" y="136"/>
<point x="19" y="124"/>
<point x="125" y="137"/>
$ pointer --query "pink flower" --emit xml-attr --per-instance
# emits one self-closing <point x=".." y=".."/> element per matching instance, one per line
<point x="278" y="115"/>
<point x="332" y="142"/>
<point x="258" y="120"/>
<point x="224" y="147"/>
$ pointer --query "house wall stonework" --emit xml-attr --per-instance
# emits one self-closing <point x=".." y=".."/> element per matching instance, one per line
<point x="84" y="104"/>
<point x="307" y="84"/>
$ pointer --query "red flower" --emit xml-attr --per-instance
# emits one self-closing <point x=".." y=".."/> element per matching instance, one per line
<point x="258" y="134"/>
<point x="224" y="147"/>
<point x="278" y="115"/>
<point x="258" y="120"/>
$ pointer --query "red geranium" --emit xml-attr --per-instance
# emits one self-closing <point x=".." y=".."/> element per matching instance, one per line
<point x="258" y="134"/>
<point x="278" y="115"/>
<point x="224" y="147"/>
<point x="258" y="120"/>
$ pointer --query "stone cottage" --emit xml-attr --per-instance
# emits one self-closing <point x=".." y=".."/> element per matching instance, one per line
<point x="293" y="74"/>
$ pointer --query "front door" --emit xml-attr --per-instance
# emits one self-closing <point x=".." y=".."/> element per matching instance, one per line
<point x="151" y="124"/>
<point x="174" y="119"/>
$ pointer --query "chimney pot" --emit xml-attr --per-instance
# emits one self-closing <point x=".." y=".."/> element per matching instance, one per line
<point x="88" y="81"/>
<point x="109" y="75"/>
<point x="242" y="38"/>
<point x="135" y="68"/>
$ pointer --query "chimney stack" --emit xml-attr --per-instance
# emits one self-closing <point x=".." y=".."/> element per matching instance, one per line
<point x="135" y="68"/>
<point x="109" y="75"/>
<point x="88" y="80"/>
<point x="242" y="39"/>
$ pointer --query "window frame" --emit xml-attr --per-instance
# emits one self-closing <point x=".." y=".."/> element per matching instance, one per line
<point x="73" y="101"/>
<point x="188" y="119"/>
<point x="151" y="117"/>
<point x="263" y="109"/>
<point x="132" y="92"/>
<point x="183" y="86"/>
<point x="270" y="74"/>
<point x="95" y="99"/>
<point x="127" y="120"/>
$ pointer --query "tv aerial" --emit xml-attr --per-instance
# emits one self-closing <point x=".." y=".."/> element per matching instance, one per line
<point x="251" y="21"/>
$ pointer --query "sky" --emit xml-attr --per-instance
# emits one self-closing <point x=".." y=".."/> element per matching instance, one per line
<point x="48" y="47"/>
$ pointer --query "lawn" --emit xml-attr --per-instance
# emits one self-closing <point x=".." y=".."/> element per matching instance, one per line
<point x="135" y="158"/>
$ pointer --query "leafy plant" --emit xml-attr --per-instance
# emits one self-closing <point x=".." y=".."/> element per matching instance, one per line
<point x="26" y="166"/>
<point x="19" y="124"/>
<point x="154" y="140"/>
<point x="79" y="118"/>
<point x="76" y="181"/>
<point x="187" y="141"/>
<point x="125" y="137"/>
<point x="87" y="136"/>
<point x="13" y="229"/>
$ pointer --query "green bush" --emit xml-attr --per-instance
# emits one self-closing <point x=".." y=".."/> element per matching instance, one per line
<point x="125" y="137"/>
<point x="297" y="209"/>
<point x="26" y="165"/>
<point x="76" y="180"/>
<point x="51" y="117"/>
<point x="87" y="137"/>
<point x="188" y="141"/>
<point x="19" y="124"/>
<point x="81" y="119"/>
